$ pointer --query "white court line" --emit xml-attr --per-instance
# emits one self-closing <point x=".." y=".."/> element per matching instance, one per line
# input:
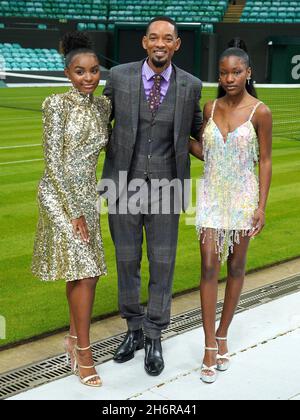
<point x="22" y="145"/>
<point x="262" y="85"/>
<point x="17" y="85"/>
<point x="30" y="117"/>
<point x="32" y="76"/>
<point x="20" y="161"/>
<point x="285" y="122"/>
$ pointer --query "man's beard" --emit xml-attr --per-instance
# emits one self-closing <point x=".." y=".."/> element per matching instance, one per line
<point x="158" y="63"/>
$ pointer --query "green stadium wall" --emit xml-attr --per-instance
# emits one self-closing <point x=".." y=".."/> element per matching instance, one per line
<point x="256" y="37"/>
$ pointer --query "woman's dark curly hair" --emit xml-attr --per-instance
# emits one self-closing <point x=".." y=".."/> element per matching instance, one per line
<point x="74" y="43"/>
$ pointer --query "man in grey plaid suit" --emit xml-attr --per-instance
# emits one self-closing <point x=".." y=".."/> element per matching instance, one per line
<point x="156" y="111"/>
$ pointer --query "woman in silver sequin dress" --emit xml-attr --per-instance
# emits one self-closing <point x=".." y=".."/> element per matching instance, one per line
<point x="231" y="198"/>
<point x="68" y="242"/>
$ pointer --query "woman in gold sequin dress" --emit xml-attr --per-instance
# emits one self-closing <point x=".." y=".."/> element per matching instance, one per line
<point x="68" y="242"/>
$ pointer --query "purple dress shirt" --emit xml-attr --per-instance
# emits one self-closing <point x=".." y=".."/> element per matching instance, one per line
<point x="148" y="73"/>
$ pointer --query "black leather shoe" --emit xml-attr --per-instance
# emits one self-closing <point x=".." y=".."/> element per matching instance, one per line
<point x="154" y="362"/>
<point x="134" y="340"/>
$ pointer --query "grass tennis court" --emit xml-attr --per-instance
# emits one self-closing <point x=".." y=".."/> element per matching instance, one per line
<point x="31" y="307"/>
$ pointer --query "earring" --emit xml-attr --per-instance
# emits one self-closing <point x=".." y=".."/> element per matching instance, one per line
<point x="248" y="81"/>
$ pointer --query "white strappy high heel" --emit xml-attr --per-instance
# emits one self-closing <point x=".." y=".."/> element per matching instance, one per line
<point x="70" y="352"/>
<point x="209" y="379"/>
<point x="86" y="380"/>
<point x="225" y="358"/>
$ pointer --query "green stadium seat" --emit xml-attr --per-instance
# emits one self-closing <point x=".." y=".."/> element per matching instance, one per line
<point x="208" y="28"/>
<point x="81" y="26"/>
<point x="139" y="10"/>
<point x="53" y="8"/>
<point x="277" y="11"/>
<point x="20" y="58"/>
<point x="135" y="10"/>
<point x="282" y="15"/>
<point x="273" y="15"/>
<point x="101" y="27"/>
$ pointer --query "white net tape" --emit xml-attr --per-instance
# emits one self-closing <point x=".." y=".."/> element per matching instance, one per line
<point x="283" y="99"/>
<point x="4" y="74"/>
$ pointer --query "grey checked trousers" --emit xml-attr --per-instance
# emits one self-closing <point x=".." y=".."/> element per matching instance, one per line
<point x="161" y="232"/>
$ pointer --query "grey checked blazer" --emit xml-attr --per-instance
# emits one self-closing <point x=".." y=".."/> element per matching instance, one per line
<point x="123" y="88"/>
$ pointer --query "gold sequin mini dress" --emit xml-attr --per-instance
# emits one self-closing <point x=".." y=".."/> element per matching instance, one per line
<point x="75" y="131"/>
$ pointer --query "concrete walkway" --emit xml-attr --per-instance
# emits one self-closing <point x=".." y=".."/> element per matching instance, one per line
<point x="264" y="343"/>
